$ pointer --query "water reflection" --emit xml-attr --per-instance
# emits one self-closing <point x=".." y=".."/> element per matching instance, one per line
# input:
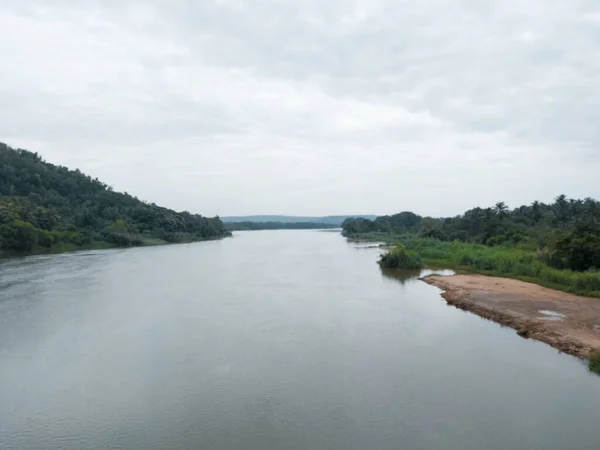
<point x="401" y="275"/>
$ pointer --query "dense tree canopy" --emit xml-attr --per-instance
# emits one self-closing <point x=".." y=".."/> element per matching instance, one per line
<point x="404" y="221"/>
<point x="42" y="205"/>
<point x="566" y="233"/>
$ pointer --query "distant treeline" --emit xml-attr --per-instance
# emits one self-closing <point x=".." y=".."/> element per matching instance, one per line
<point x="45" y="207"/>
<point x="329" y="220"/>
<point x="246" y="226"/>
<point x="564" y="234"/>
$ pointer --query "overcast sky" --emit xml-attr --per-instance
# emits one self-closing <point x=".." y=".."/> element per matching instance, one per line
<point x="310" y="107"/>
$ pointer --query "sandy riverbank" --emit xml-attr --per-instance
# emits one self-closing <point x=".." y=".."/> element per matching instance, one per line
<point x="567" y="322"/>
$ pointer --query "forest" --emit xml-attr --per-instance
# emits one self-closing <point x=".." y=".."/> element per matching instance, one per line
<point x="44" y="207"/>
<point x="555" y="244"/>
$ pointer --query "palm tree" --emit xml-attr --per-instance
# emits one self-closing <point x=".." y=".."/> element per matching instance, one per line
<point x="501" y="209"/>
<point x="536" y="211"/>
<point x="561" y="209"/>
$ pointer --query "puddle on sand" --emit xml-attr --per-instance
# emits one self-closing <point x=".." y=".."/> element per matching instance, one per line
<point x="551" y="315"/>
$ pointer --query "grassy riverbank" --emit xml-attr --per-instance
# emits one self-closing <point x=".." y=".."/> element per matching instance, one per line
<point x="518" y="263"/>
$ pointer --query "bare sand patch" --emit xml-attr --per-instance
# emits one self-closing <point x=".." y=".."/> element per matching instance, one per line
<point x="567" y="322"/>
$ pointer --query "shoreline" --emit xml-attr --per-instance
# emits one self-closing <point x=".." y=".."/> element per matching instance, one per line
<point x="496" y="261"/>
<point x="567" y="322"/>
<point x="98" y="245"/>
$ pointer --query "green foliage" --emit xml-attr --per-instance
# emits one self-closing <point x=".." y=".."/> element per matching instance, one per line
<point x="502" y="261"/>
<point x="400" y="258"/>
<point x="402" y="222"/>
<point x="565" y="234"/>
<point x="18" y="235"/>
<point x="43" y="206"/>
<point x="594" y="363"/>
<point x="44" y="238"/>
<point x="579" y="249"/>
<point x="357" y="226"/>
<point x="119" y="226"/>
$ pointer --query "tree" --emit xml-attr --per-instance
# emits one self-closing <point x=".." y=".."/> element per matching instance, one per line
<point x="561" y="209"/>
<point x="579" y="249"/>
<point x="357" y="226"/>
<point x="536" y="212"/>
<point x="501" y="209"/>
<point x="17" y="236"/>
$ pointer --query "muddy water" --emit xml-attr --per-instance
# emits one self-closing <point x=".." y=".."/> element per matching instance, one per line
<point x="268" y="340"/>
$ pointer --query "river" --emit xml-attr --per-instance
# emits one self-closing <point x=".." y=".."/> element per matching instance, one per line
<point x="268" y="340"/>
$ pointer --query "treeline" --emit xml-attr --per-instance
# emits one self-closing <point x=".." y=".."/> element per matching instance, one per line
<point x="564" y="234"/>
<point x="254" y="226"/>
<point x="44" y="206"/>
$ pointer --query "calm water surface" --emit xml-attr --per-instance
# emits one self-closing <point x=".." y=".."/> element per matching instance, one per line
<point x="269" y="340"/>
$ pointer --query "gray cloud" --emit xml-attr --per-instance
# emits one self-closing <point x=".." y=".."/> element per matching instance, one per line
<point x="310" y="107"/>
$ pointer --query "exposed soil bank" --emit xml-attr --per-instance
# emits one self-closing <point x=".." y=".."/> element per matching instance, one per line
<point x="567" y="322"/>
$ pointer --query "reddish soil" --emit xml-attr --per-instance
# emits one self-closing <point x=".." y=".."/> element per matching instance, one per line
<point x="567" y="322"/>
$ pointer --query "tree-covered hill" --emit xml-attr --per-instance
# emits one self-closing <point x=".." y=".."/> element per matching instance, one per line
<point x="44" y="206"/>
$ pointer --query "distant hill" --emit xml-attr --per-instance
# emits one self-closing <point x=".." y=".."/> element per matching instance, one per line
<point x="255" y="226"/>
<point x="44" y="207"/>
<point x="327" y="220"/>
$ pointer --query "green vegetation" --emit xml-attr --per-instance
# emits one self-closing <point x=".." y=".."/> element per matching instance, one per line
<point x="506" y="262"/>
<point x="556" y="245"/>
<point x="400" y="258"/>
<point x="48" y="208"/>
<point x="253" y="226"/>
<point x="594" y="363"/>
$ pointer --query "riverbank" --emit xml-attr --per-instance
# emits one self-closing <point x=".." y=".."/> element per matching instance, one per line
<point x="500" y="261"/>
<point x="567" y="322"/>
<point x="97" y="245"/>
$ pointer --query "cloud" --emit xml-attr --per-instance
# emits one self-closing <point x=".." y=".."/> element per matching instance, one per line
<point x="310" y="107"/>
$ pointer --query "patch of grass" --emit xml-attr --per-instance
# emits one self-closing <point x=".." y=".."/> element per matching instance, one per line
<point x="594" y="363"/>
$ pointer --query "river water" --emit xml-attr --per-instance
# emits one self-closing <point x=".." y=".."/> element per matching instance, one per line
<point x="268" y="340"/>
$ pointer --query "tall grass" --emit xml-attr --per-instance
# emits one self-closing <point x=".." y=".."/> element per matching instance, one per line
<point x="498" y="261"/>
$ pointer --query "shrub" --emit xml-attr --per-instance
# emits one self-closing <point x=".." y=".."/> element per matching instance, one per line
<point x="18" y="236"/>
<point x="400" y="258"/>
<point x="44" y="238"/>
